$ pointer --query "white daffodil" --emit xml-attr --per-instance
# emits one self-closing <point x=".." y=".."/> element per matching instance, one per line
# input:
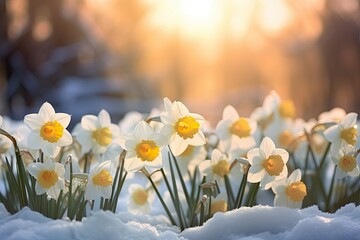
<point x="347" y="163"/>
<point x="96" y="132"/>
<point x="334" y="115"/>
<point x="181" y="127"/>
<point x="235" y="131"/>
<point x="128" y="122"/>
<point x="143" y="148"/>
<point x="343" y="133"/>
<point x="48" y="130"/>
<point x="268" y="164"/>
<point x="49" y="178"/>
<point x="100" y="181"/>
<point x="140" y="199"/>
<point x="289" y="192"/>
<point x="219" y="204"/>
<point x="216" y="168"/>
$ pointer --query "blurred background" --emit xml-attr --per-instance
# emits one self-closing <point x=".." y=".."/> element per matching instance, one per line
<point x="85" y="55"/>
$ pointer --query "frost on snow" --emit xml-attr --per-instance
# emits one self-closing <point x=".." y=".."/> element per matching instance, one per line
<point x="259" y="222"/>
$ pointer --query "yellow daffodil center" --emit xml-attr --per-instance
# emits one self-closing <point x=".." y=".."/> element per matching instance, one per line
<point x="187" y="127"/>
<point x="222" y="168"/>
<point x="51" y="131"/>
<point x="287" y="109"/>
<point x="219" y="206"/>
<point x="296" y="191"/>
<point x="274" y="165"/>
<point x="349" y="135"/>
<point x="188" y="151"/>
<point x="147" y="150"/>
<point x="140" y="196"/>
<point x="47" y="178"/>
<point x="103" y="178"/>
<point x="286" y="138"/>
<point x="103" y="136"/>
<point x="241" y="128"/>
<point x="347" y="163"/>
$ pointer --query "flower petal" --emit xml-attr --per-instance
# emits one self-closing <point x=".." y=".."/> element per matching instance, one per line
<point x="349" y="120"/>
<point x="267" y="145"/>
<point x="280" y="201"/>
<point x="104" y="119"/>
<point x="89" y="122"/>
<point x="34" y="140"/>
<point x="178" y="145"/>
<point x="35" y="168"/>
<point x="143" y="130"/>
<point x="197" y="140"/>
<point x="222" y="129"/>
<point x="295" y="176"/>
<point x="332" y="133"/>
<point x="32" y="121"/>
<point x="50" y="150"/>
<point x="282" y="153"/>
<point x="65" y="140"/>
<point x="46" y="112"/>
<point x="133" y="164"/>
<point x="39" y="189"/>
<point x="63" y="119"/>
<point x="255" y="174"/>
<point x="230" y="113"/>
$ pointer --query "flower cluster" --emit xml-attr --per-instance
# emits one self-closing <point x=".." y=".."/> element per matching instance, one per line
<point x="194" y="170"/>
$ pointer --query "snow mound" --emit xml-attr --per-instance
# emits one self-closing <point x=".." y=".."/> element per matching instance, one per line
<point x="259" y="222"/>
<point x="264" y="222"/>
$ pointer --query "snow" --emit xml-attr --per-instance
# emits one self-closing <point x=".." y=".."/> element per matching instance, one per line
<point x="259" y="222"/>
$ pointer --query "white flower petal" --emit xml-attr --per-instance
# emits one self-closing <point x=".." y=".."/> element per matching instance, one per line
<point x="65" y="140"/>
<point x="216" y="156"/>
<point x="295" y="176"/>
<point x="255" y="174"/>
<point x="133" y="164"/>
<point x="104" y="119"/>
<point x="197" y="140"/>
<point x="50" y="150"/>
<point x="278" y="187"/>
<point x="230" y="113"/>
<point x="355" y="172"/>
<point x="143" y="130"/>
<point x="254" y="156"/>
<point x="267" y="145"/>
<point x="63" y="119"/>
<point x="39" y="189"/>
<point x="280" y="201"/>
<point x="46" y="113"/>
<point x="59" y="169"/>
<point x="204" y="167"/>
<point x="53" y="192"/>
<point x="89" y="122"/>
<point x="178" y="145"/>
<point x="105" y="192"/>
<point x="349" y="120"/>
<point x="35" y="168"/>
<point x="179" y="109"/>
<point x="167" y="104"/>
<point x="32" y="121"/>
<point x="282" y="153"/>
<point x="90" y="192"/>
<point x="222" y="129"/>
<point x="266" y="181"/>
<point x="332" y="133"/>
<point x="34" y="141"/>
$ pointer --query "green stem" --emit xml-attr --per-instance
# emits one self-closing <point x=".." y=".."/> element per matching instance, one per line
<point x="229" y="192"/>
<point x="240" y="194"/>
<point x="328" y="198"/>
<point x="162" y="201"/>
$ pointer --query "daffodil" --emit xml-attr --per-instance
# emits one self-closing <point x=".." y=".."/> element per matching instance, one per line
<point x="96" y="133"/>
<point x="347" y="162"/>
<point x="143" y="148"/>
<point x="219" y="204"/>
<point x="48" y="130"/>
<point x="181" y="127"/>
<point x="289" y="192"/>
<point x="268" y="164"/>
<point x="216" y="168"/>
<point x="100" y="181"/>
<point x="235" y="131"/>
<point x="334" y="115"/>
<point x="140" y="199"/>
<point x="49" y="178"/>
<point x="343" y="133"/>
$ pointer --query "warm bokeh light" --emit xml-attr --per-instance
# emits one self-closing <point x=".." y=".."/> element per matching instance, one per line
<point x="209" y="53"/>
